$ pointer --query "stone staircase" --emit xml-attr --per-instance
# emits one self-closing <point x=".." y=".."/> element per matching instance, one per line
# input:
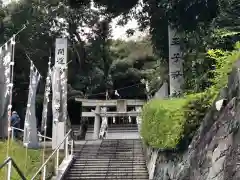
<point x="115" y="131"/>
<point x="123" y="131"/>
<point x="108" y="159"/>
<point x="89" y="132"/>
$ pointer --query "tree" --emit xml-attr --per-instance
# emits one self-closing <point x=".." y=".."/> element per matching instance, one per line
<point x="38" y="40"/>
<point x="134" y="61"/>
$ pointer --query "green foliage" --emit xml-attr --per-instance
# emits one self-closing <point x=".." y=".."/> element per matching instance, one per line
<point x="172" y="123"/>
<point x="96" y="60"/>
<point x="185" y="115"/>
<point x="201" y="26"/>
<point x="198" y="104"/>
<point x="162" y="123"/>
<point x="222" y="33"/>
<point x="224" y="64"/>
<point x="132" y="62"/>
<point x="195" y="109"/>
<point x="120" y="64"/>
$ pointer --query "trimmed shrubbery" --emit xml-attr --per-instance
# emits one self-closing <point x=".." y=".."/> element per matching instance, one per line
<point x="169" y="123"/>
<point x="194" y="109"/>
<point x="162" y="124"/>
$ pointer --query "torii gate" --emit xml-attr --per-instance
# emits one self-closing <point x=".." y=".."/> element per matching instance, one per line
<point x="120" y="104"/>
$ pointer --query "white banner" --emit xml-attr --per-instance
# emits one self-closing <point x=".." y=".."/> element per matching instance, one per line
<point x="6" y="69"/>
<point x="30" y="138"/>
<point x="46" y="99"/>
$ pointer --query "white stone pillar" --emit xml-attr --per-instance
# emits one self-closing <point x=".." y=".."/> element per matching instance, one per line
<point x="58" y="97"/>
<point x="175" y="63"/>
<point x="96" y="123"/>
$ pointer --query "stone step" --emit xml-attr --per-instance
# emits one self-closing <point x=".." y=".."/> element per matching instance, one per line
<point x="113" y="170"/>
<point x="109" y="146"/>
<point x="126" y="153"/>
<point x="113" y="161"/>
<point x="113" y="155"/>
<point x="145" y="177"/>
<point x="80" y="163"/>
<point x="103" y="166"/>
<point x="108" y="155"/>
<point x="109" y="127"/>
<point x="136" y="153"/>
<point x="109" y="149"/>
<point x="85" y="173"/>
<point x="139" y="166"/>
<point x="112" y="173"/>
<point x="100" y="151"/>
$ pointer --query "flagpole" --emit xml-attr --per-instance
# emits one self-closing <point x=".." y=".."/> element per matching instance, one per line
<point x="14" y="35"/>
<point x="10" y="87"/>
<point x="13" y="43"/>
<point x="32" y="63"/>
<point x="45" y="123"/>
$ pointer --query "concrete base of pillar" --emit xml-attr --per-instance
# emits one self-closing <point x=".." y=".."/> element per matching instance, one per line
<point x="33" y="144"/>
<point x="58" y="134"/>
<point x="30" y="139"/>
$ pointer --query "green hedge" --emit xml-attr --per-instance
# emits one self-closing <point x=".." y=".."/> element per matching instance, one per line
<point x="162" y="124"/>
<point x="173" y="122"/>
<point x="195" y="109"/>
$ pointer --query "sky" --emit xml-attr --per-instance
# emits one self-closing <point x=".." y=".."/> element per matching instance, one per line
<point x="119" y="32"/>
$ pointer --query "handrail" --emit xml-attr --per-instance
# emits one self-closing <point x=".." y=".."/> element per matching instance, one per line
<point x="14" y="128"/>
<point x="55" y="150"/>
<point x="11" y="162"/>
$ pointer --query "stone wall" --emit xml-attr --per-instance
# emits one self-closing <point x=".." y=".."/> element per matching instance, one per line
<point x="151" y="156"/>
<point x="214" y="153"/>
